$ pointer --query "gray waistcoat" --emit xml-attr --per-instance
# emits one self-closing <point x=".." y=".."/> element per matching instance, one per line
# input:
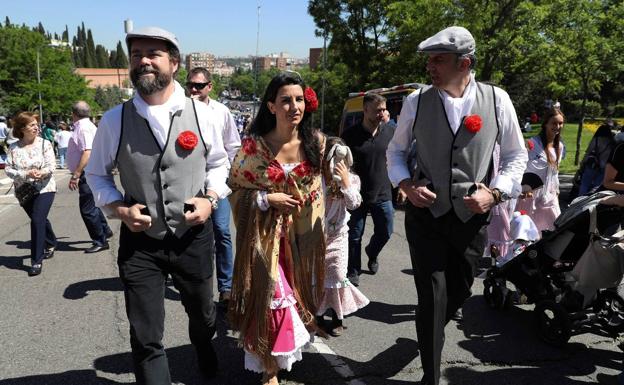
<point x="454" y="162"/>
<point x="161" y="179"/>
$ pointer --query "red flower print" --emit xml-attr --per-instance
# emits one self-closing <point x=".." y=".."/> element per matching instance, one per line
<point x="311" y="101"/>
<point x="523" y="212"/>
<point x="249" y="146"/>
<point x="473" y="123"/>
<point x="187" y="140"/>
<point x="275" y="172"/>
<point x="249" y="176"/>
<point x="530" y="145"/>
<point x="303" y="169"/>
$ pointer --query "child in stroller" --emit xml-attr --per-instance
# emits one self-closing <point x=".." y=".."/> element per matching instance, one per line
<point x="545" y="273"/>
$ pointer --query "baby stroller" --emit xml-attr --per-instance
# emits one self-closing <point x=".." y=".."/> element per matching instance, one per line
<point x="546" y="274"/>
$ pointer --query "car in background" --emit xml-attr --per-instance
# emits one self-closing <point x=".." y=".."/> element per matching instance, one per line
<point x="353" y="108"/>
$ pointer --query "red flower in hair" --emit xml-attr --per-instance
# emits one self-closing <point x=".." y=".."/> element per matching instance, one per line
<point x="275" y="172"/>
<point x="187" y="140"/>
<point x="249" y="146"/>
<point x="530" y="145"/>
<point x="311" y="101"/>
<point x="473" y="123"/>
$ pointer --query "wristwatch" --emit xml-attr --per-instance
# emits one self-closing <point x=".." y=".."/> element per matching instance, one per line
<point x="213" y="201"/>
<point x="500" y="196"/>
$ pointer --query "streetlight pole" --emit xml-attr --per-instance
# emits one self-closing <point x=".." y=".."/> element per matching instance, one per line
<point x="256" y="63"/>
<point x="323" y="86"/>
<point x="39" y="87"/>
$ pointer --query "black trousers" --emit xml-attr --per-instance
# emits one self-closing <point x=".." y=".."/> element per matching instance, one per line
<point x="144" y="264"/>
<point x="92" y="216"/>
<point x="41" y="233"/>
<point x="444" y="253"/>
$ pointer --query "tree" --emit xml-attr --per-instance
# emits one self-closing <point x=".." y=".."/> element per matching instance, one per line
<point x="101" y="57"/>
<point x="89" y="52"/>
<point x="121" y="58"/>
<point x="59" y="87"/>
<point x="7" y="22"/>
<point x="108" y="97"/>
<point x="65" y="36"/>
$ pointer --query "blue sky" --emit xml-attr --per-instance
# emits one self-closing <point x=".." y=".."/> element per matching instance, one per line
<point x="222" y="27"/>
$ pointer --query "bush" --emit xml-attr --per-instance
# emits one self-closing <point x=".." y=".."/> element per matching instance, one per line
<point x="618" y="110"/>
<point x="573" y="109"/>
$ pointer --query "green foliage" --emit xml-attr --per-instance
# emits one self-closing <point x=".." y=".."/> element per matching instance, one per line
<point x="108" y="97"/>
<point x="573" y="109"/>
<point x="121" y="60"/>
<point x="59" y="87"/>
<point x="618" y="110"/>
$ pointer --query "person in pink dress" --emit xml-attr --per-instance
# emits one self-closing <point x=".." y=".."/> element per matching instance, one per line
<point x="342" y="193"/>
<point x="278" y="210"/>
<point x="540" y="183"/>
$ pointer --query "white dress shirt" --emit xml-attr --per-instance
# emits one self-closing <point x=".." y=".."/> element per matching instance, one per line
<point x="513" y="153"/>
<point x="106" y="142"/>
<point x="225" y="122"/>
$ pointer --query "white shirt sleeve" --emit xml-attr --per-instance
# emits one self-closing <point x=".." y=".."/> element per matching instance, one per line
<point x="103" y="153"/>
<point x="231" y="138"/>
<point x="398" y="148"/>
<point x="217" y="164"/>
<point x="514" y="157"/>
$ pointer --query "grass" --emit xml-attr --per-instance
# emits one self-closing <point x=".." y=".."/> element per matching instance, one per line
<point x="567" y="165"/>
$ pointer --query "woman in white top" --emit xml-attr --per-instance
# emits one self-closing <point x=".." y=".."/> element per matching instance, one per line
<point x="62" y="140"/>
<point x="31" y="161"/>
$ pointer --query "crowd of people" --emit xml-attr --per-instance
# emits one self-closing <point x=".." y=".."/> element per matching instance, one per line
<point x="299" y="199"/>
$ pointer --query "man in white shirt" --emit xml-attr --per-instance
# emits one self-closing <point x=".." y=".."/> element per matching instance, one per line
<point x="198" y="86"/>
<point x="173" y="167"/>
<point x="441" y="156"/>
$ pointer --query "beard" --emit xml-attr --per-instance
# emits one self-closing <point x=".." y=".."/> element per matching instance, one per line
<point x="146" y="85"/>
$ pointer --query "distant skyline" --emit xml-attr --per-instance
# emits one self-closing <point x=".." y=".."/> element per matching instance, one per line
<point x="223" y="28"/>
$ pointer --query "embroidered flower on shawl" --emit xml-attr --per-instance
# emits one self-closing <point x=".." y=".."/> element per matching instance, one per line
<point x="303" y="169"/>
<point x="275" y="173"/>
<point x="249" y="146"/>
<point x="311" y="101"/>
<point x="187" y="140"/>
<point x="530" y="145"/>
<point x="473" y="123"/>
<point x="249" y="176"/>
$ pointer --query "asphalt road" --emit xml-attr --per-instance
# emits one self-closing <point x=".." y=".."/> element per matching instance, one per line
<point x="68" y="326"/>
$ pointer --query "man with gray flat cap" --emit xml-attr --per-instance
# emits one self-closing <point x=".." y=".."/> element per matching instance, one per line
<point x="441" y="155"/>
<point x="172" y="166"/>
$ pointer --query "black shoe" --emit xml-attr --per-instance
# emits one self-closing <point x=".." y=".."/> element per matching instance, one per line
<point x="373" y="265"/>
<point x="354" y="278"/>
<point x="207" y="362"/>
<point x="109" y="234"/>
<point x="96" y="248"/>
<point x="49" y="252"/>
<point x="224" y="298"/>
<point x="458" y="316"/>
<point x="35" y="270"/>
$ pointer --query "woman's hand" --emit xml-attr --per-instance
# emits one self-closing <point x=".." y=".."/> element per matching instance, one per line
<point x="343" y="172"/>
<point x="34" y="174"/>
<point x="282" y="202"/>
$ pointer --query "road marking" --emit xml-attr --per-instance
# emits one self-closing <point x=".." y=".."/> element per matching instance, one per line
<point x="336" y="362"/>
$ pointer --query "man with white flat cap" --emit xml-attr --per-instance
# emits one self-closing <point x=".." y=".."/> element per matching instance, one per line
<point x="441" y="156"/>
<point x="172" y="166"/>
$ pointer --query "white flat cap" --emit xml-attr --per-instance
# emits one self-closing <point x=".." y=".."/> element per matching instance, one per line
<point x="449" y="40"/>
<point x="152" y="33"/>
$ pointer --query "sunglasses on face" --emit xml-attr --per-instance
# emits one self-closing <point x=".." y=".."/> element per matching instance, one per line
<point x="197" y="86"/>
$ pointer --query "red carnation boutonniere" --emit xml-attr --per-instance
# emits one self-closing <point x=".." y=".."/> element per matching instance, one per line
<point x="187" y="140"/>
<point x="523" y="212"/>
<point x="473" y="123"/>
<point x="311" y="101"/>
<point x="530" y="145"/>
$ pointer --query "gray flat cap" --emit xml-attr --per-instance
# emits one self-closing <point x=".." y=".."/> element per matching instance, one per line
<point x="449" y="40"/>
<point x="152" y="33"/>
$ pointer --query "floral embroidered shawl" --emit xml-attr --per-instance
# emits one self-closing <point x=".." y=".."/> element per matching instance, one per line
<point x="258" y="242"/>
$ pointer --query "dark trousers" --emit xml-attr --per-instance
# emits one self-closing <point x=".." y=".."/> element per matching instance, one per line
<point x="144" y="263"/>
<point x="382" y="214"/>
<point x="444" y="253"/>
<point x="92" y="216"/>
<point x="41" y="233"/>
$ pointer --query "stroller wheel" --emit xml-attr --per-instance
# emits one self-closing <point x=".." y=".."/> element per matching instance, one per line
<point x="495" y="293"/>
<point x="553" y="322"/>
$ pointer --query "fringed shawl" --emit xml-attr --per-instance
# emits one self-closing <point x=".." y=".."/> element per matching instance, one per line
<point x="258" y="241"/>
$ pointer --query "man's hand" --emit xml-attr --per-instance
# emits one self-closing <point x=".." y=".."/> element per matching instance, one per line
<point x="73" y="183"/>
<point x="133" y="218"/>
<point x="201" y="213"/>
<point x="401" y="196"/>
<point x="419" y="195"/>
<point x="481" y="201"/>
<point x="282" y="202"/>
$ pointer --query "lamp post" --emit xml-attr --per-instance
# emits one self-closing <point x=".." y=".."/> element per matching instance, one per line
<point x="256" y="63"/>
<point x="39" y="87"/>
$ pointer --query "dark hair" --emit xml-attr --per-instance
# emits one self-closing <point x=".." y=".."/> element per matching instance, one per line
<point x="542" y="135"/>
<point x="604" y="130"/>
<point x="373" y="98"/>
<point x="199" y="70"/>
<point x="21" y="120"/>
<point x="265" y="121"/>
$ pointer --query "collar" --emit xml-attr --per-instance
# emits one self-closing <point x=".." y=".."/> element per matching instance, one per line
<point x="176" y="102"/>
<point x="469" y="92"/>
